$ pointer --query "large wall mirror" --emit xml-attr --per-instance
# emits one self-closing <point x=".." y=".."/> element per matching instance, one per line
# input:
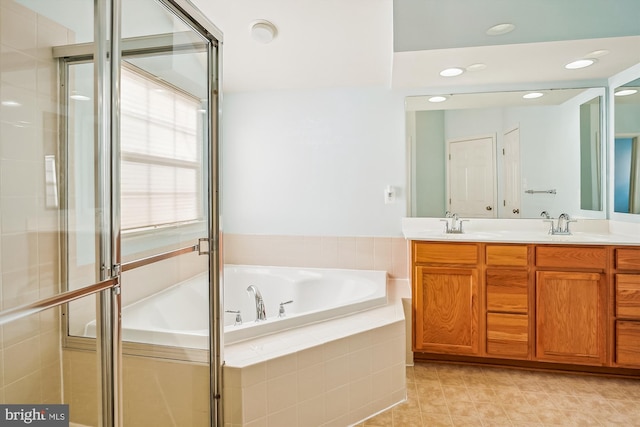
<point x="507" y="154"/>
<point x="626" y="179"/>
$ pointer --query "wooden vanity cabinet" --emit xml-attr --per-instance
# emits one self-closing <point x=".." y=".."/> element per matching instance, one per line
<point x="507" y="301"/>
<point x="571" y="304"/>
<point x="445" y="297"/>
<point x="532" y="304"/>
<point x="627" y="307"/>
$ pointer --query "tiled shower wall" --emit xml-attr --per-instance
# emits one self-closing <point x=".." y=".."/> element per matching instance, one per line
<point x="360" y="253"/>
<point x="29" y="234"/>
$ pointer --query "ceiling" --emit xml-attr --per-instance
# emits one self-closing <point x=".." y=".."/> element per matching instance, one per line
<point x="404" y="44"/>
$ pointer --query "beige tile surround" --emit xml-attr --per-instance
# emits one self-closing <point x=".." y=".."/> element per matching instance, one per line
<point x="347" y="252"/>
<point x="345" y="378"/>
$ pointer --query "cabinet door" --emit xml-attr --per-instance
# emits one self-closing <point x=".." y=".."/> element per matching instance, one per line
<point x="570" y="317"/>
<point x="446" y="310"/>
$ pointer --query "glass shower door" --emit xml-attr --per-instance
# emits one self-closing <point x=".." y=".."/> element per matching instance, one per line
<point x="37" y="369"/>
<point x="70" y="247"/>
<point x="166" y="201"/>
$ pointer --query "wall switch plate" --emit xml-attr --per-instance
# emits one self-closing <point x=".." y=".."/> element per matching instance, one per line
<point x="389" y="195"/>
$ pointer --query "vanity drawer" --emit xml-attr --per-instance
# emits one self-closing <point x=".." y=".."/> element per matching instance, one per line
<point x="571" y="257"/>
<point x="507" y="335"/>
<point x="628" y="259"/>
<point x="628" y="343"/>
<point x="445" y="253"/>
<point x="507" y="255"/>
<point x="628" y="296"/>
<point x="507" y="291"/>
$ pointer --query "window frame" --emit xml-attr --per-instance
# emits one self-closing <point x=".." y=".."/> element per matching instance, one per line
<point x="192" y="227"/>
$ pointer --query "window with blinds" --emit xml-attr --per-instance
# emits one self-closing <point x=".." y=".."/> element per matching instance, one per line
<point x="161" y="153"/>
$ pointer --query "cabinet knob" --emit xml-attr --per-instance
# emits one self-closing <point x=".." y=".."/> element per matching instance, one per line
<point x="516" y="211"/>
<point x="489" y="208"/>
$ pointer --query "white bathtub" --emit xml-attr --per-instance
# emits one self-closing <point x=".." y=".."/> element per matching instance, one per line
<point x="178" y="316"/>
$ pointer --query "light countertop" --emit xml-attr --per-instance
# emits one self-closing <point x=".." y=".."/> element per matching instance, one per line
<point x="583" y="231"/>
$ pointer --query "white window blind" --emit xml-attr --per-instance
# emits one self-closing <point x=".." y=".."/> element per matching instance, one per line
<point x="161" y="151"/>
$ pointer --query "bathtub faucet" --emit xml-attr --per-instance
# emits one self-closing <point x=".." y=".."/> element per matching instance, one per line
<point x="260" y="311"/>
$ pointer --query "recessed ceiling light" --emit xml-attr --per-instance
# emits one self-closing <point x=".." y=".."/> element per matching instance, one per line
<point x="500" y="29"/>
<point x="437" y="98"/>
<point x="580" y="63"/>
<point x="626" y="92"/>
<point x="10" y="103"/>
<point x="532" y="95"/>
<point x="476" y="67"/>
<point x="263" y="31"/>
<point x="451" y="72"/>
<point x="597" y="53"/>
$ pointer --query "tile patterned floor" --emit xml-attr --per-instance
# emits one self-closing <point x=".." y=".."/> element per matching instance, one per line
<point x="456" y="395"/>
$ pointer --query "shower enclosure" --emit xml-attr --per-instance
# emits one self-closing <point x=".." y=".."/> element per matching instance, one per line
<point x="108" y="194"/>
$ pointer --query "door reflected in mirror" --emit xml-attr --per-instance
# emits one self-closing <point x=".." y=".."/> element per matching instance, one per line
<point x="546" y="154"/>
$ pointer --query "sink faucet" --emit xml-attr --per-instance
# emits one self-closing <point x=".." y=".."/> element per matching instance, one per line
<point x="565" y="220"/>
<point x="563" y="224"/>
<point x="456" y="223"/>
<point x="260" y="310"/>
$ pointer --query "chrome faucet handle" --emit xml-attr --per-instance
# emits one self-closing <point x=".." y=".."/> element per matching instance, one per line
<point x="460" y="224"/>
<point x="566" y="226"/>
<point x="447" y="214"/>
<point x="552" y="228"/>
<point x="281" y="312"/>
<point x="446" y="225"/>
<point x="238" y="320"/>
<point x="545" y="214"/>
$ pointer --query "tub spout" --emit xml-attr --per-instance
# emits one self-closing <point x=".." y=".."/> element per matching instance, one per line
<point x="260" y="310"/>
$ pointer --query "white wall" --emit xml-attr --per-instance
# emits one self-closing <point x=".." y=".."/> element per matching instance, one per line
<point x="313" y="162"/>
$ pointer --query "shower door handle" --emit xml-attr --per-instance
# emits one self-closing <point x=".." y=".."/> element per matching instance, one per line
<point x="203" y="242"/>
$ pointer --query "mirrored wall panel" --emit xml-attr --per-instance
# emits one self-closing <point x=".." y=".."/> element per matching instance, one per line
<point x="626" y="197"/>
<point x="507" y="154"/>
